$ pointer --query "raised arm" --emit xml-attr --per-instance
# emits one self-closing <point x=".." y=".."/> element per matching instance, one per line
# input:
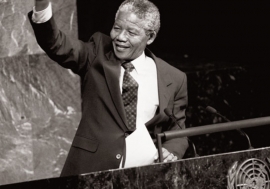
<point x="68" y="52"/>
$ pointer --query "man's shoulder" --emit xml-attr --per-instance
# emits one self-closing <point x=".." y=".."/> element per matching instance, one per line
<point x="162" y="64"/>
<point x="174" y="73"/>
<point x="102" y="41"/>
<point x="170" y="69"/>
<point x="101" y="37"/>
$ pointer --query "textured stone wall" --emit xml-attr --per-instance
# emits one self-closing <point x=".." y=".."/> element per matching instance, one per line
<point x="39" y="100"/>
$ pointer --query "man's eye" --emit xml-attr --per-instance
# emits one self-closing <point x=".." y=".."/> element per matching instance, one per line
<point x="132" y="33"/>
<point x="116" y="28"/>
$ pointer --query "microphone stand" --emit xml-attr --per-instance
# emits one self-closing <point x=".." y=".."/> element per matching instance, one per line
<point x="214" y="111"/>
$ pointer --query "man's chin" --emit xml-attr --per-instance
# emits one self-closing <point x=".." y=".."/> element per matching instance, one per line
<point x="121" y="56"/>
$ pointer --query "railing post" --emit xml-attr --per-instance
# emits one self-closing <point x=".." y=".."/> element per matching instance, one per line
<point x="159" y="146"/>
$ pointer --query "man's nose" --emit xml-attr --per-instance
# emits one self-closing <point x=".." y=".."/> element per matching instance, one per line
<point x="122" y="36"/>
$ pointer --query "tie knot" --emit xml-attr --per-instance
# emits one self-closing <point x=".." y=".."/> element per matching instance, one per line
<point x="128" y="66"/>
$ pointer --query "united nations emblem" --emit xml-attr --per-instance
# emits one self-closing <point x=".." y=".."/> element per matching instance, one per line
<point x="251" y="174"/>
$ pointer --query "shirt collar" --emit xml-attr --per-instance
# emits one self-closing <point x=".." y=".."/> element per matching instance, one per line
<point x="139" y="63"/>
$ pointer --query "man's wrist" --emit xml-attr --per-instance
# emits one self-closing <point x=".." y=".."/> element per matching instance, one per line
<point x="41" y="4"/>
<point x="42" y="15"/>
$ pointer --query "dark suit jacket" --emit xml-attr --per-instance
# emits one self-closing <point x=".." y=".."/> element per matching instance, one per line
<point x="99" y="142"/>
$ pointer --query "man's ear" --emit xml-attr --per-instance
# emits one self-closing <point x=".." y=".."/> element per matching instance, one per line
<point x="152" y="36"/>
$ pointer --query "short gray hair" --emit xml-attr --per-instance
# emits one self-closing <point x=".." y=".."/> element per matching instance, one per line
<point x="145" y="10"/>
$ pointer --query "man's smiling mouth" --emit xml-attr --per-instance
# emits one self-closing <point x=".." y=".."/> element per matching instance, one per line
<point x="120" y="47"/>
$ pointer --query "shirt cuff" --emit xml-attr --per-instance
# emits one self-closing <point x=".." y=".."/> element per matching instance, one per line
<point x="43" y="15"/>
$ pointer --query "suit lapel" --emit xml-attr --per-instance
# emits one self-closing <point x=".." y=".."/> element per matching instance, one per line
<point x="112" y="69"/>
<point x="164" y="81"/>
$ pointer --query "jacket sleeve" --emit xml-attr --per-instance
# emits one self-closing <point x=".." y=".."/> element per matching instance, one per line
<point x="178" y="146"/>
<point x="69" y="53"/>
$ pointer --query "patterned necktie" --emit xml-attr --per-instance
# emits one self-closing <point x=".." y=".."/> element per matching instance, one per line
<point x="129" y="95"/>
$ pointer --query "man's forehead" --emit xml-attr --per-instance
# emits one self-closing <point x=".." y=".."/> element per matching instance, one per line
<point x="129" y="17"/>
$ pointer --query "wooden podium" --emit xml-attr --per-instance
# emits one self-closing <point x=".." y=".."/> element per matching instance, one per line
<point x="238" y="170"/>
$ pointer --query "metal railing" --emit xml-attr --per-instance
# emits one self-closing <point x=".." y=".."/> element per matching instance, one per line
<point x="206" y="129"/>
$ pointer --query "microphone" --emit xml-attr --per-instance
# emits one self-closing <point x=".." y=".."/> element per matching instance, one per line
<point x="171" y="115"/>
<point x="214" y="111"/>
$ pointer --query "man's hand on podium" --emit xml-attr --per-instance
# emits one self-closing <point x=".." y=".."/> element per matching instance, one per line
<point x="167" y="156"/>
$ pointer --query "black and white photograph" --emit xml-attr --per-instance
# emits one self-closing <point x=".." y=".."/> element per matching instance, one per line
<point x="134" y="94"/>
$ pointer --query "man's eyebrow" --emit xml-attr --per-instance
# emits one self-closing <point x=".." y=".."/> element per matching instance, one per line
<point x="132" y="28"/>
<point x="138" y="24"/>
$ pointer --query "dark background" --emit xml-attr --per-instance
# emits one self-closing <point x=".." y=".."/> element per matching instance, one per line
<point x="223" y="30"/>
<point x="223" y="46"/>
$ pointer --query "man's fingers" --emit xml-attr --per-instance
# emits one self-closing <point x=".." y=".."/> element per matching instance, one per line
<point x="175" y="158"/>
<point x="167" y="156"/>
<point x="170" y="157"/>
<point x="165" y="153"/>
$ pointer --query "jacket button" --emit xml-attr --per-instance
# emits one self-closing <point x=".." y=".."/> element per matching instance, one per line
<point x="118" y="156"/>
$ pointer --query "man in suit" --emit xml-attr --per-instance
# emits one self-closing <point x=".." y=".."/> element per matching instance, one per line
<point x="107" y="118"/>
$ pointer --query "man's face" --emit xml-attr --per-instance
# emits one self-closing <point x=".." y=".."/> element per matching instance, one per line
<point x="128" y="36"/>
